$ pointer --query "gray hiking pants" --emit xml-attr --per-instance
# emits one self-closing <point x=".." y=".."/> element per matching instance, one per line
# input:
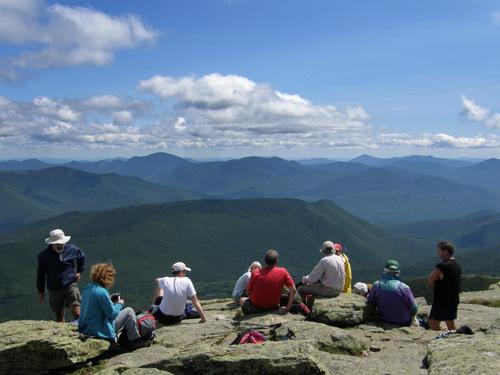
<point x="318" y="289"/>
<point x="126" y="320"/>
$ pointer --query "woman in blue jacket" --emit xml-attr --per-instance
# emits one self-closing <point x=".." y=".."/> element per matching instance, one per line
<point x="99" y="315"/>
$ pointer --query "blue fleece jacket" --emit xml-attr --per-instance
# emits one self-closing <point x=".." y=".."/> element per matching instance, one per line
<point x="98" y="312"/>
<point x="394" y="300"/>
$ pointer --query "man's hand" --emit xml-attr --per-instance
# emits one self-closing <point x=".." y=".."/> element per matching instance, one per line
<point x="283" y="310"/>
<point x="77" y="277"/>
<point x="41" y="297"/>
<point x="202" y="320"/>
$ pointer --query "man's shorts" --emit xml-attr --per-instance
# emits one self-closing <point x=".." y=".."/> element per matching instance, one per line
<point x="248" y="308"/>
<point x="67" y="296"/>
<point x="443" y="311"/>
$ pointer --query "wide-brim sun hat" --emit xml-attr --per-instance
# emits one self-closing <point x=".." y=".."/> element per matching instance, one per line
<point x="57" y="236"/>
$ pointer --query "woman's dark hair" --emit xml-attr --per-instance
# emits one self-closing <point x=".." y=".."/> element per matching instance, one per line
<point x="446" y="246"/>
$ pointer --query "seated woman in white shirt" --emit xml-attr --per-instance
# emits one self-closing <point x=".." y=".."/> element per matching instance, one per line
<point x="241" y="285"/>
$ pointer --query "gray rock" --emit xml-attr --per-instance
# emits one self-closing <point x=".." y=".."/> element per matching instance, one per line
<point x="461" y="354"/>
<point x="343" y="311"/>
<point x="36" y="347"/>
<point x="145" y="357"/>
<point x="490" y="297"/>
<point x="273" y="358"/>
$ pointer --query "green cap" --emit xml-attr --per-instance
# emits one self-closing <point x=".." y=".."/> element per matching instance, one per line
<point x="392" y="265"/>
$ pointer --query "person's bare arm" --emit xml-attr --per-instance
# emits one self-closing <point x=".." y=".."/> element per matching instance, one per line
<point x="158" y="291"/>
<point x="197" y="305"/>
<point x="435" y="276"/>
<point x="291" y="298"/>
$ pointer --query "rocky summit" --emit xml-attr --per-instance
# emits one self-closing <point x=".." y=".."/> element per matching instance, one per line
<point x="341" y="335"/>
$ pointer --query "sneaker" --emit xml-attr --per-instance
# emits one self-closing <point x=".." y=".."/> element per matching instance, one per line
<point x="445" y="334"/>
<point x="141" y="342"/>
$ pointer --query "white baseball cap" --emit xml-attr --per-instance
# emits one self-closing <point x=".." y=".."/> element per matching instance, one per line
<point x="179" y="266"/>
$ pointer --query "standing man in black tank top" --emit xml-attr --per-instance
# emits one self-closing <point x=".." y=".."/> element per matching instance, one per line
<point x="446" y="279"/>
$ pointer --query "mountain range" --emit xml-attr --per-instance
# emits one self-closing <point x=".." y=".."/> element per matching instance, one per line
<point x="218" y="239"/>
<point x="26" y="196"/>
<point x="385" y="191"/>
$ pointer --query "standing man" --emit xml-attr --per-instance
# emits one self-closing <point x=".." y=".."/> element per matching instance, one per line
<point x="171" y="294"/>
<point x="265" y="286"/>
<point x="393" y="298"/>
<point x="60" y="266"/>
<point x="446" y="279"/>
<point x="328" y="277"/>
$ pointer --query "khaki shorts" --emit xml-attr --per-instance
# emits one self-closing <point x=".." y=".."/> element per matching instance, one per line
<point x="67" y="296"/>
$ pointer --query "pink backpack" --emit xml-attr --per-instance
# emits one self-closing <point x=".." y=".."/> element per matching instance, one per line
<point x="249" y="337"/>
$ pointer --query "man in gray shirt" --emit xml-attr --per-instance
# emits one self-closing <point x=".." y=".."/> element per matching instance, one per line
<point x="327" y="278"/>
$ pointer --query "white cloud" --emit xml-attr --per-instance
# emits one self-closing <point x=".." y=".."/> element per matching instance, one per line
<point x="249" y="116"/>
<point x="103" y="102"/>
<point x="496" y="16"/>
<point x="123" y="117"/>
<point x="475" y="113"/>
<point x="180" y="124"/>
<point x="217" y="106"/>
<point x="438" y="140"/>
<point x="472" y="111"/>
<point x="66" y="36"/>
<point x="493" y="121"/>
<point x="55" y="109"/>
<point x="210" y="91"/>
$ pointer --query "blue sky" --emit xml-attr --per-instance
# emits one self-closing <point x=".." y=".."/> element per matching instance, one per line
<point x="219" y="78"/>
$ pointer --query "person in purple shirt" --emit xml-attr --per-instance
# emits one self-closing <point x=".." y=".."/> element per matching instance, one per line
<point x="393" y="298"/>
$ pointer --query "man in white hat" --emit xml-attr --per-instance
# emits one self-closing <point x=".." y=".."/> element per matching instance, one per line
<point x="327" y="279"/>
<point x="60" y="266"/>
<point x="174" y="291"/>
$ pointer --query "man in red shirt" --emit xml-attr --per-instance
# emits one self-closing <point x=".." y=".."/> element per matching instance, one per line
<point x="265" y="286"/>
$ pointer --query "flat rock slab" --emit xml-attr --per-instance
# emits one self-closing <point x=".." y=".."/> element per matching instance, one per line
<point x="490" y="297"/>
<point x="37" y="347"/>
<point x="343" y="311"/>
<point x="273" y="358"/>
<point x="460" y="354"/>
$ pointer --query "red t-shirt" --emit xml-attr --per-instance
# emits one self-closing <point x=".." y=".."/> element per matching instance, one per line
<point x="265" y="286"/>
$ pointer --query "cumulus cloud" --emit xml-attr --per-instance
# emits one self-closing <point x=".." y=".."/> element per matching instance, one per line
<point x="55" y="109"/>
<point x="214" y="112"/>
<point x="70" y="122"/>
<point x="472" y="111"/>
<point x="476" y="113"/>
<point x="496" y="16"/>
<point x="123" y="117"/>
<point x="438" y="140"/>
<point x="218" y="108"/>
<point x="65" y="36"/>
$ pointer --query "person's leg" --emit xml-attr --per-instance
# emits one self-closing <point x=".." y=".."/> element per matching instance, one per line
<point x="242" y="300"/>
<point x="72" y="298"/>
<point x="434" y="325"/>
<point x="56" y="301"/>
<point x="450" y="324"/>
<point x="318" y="290"/>
<point x="126" y="320"/>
